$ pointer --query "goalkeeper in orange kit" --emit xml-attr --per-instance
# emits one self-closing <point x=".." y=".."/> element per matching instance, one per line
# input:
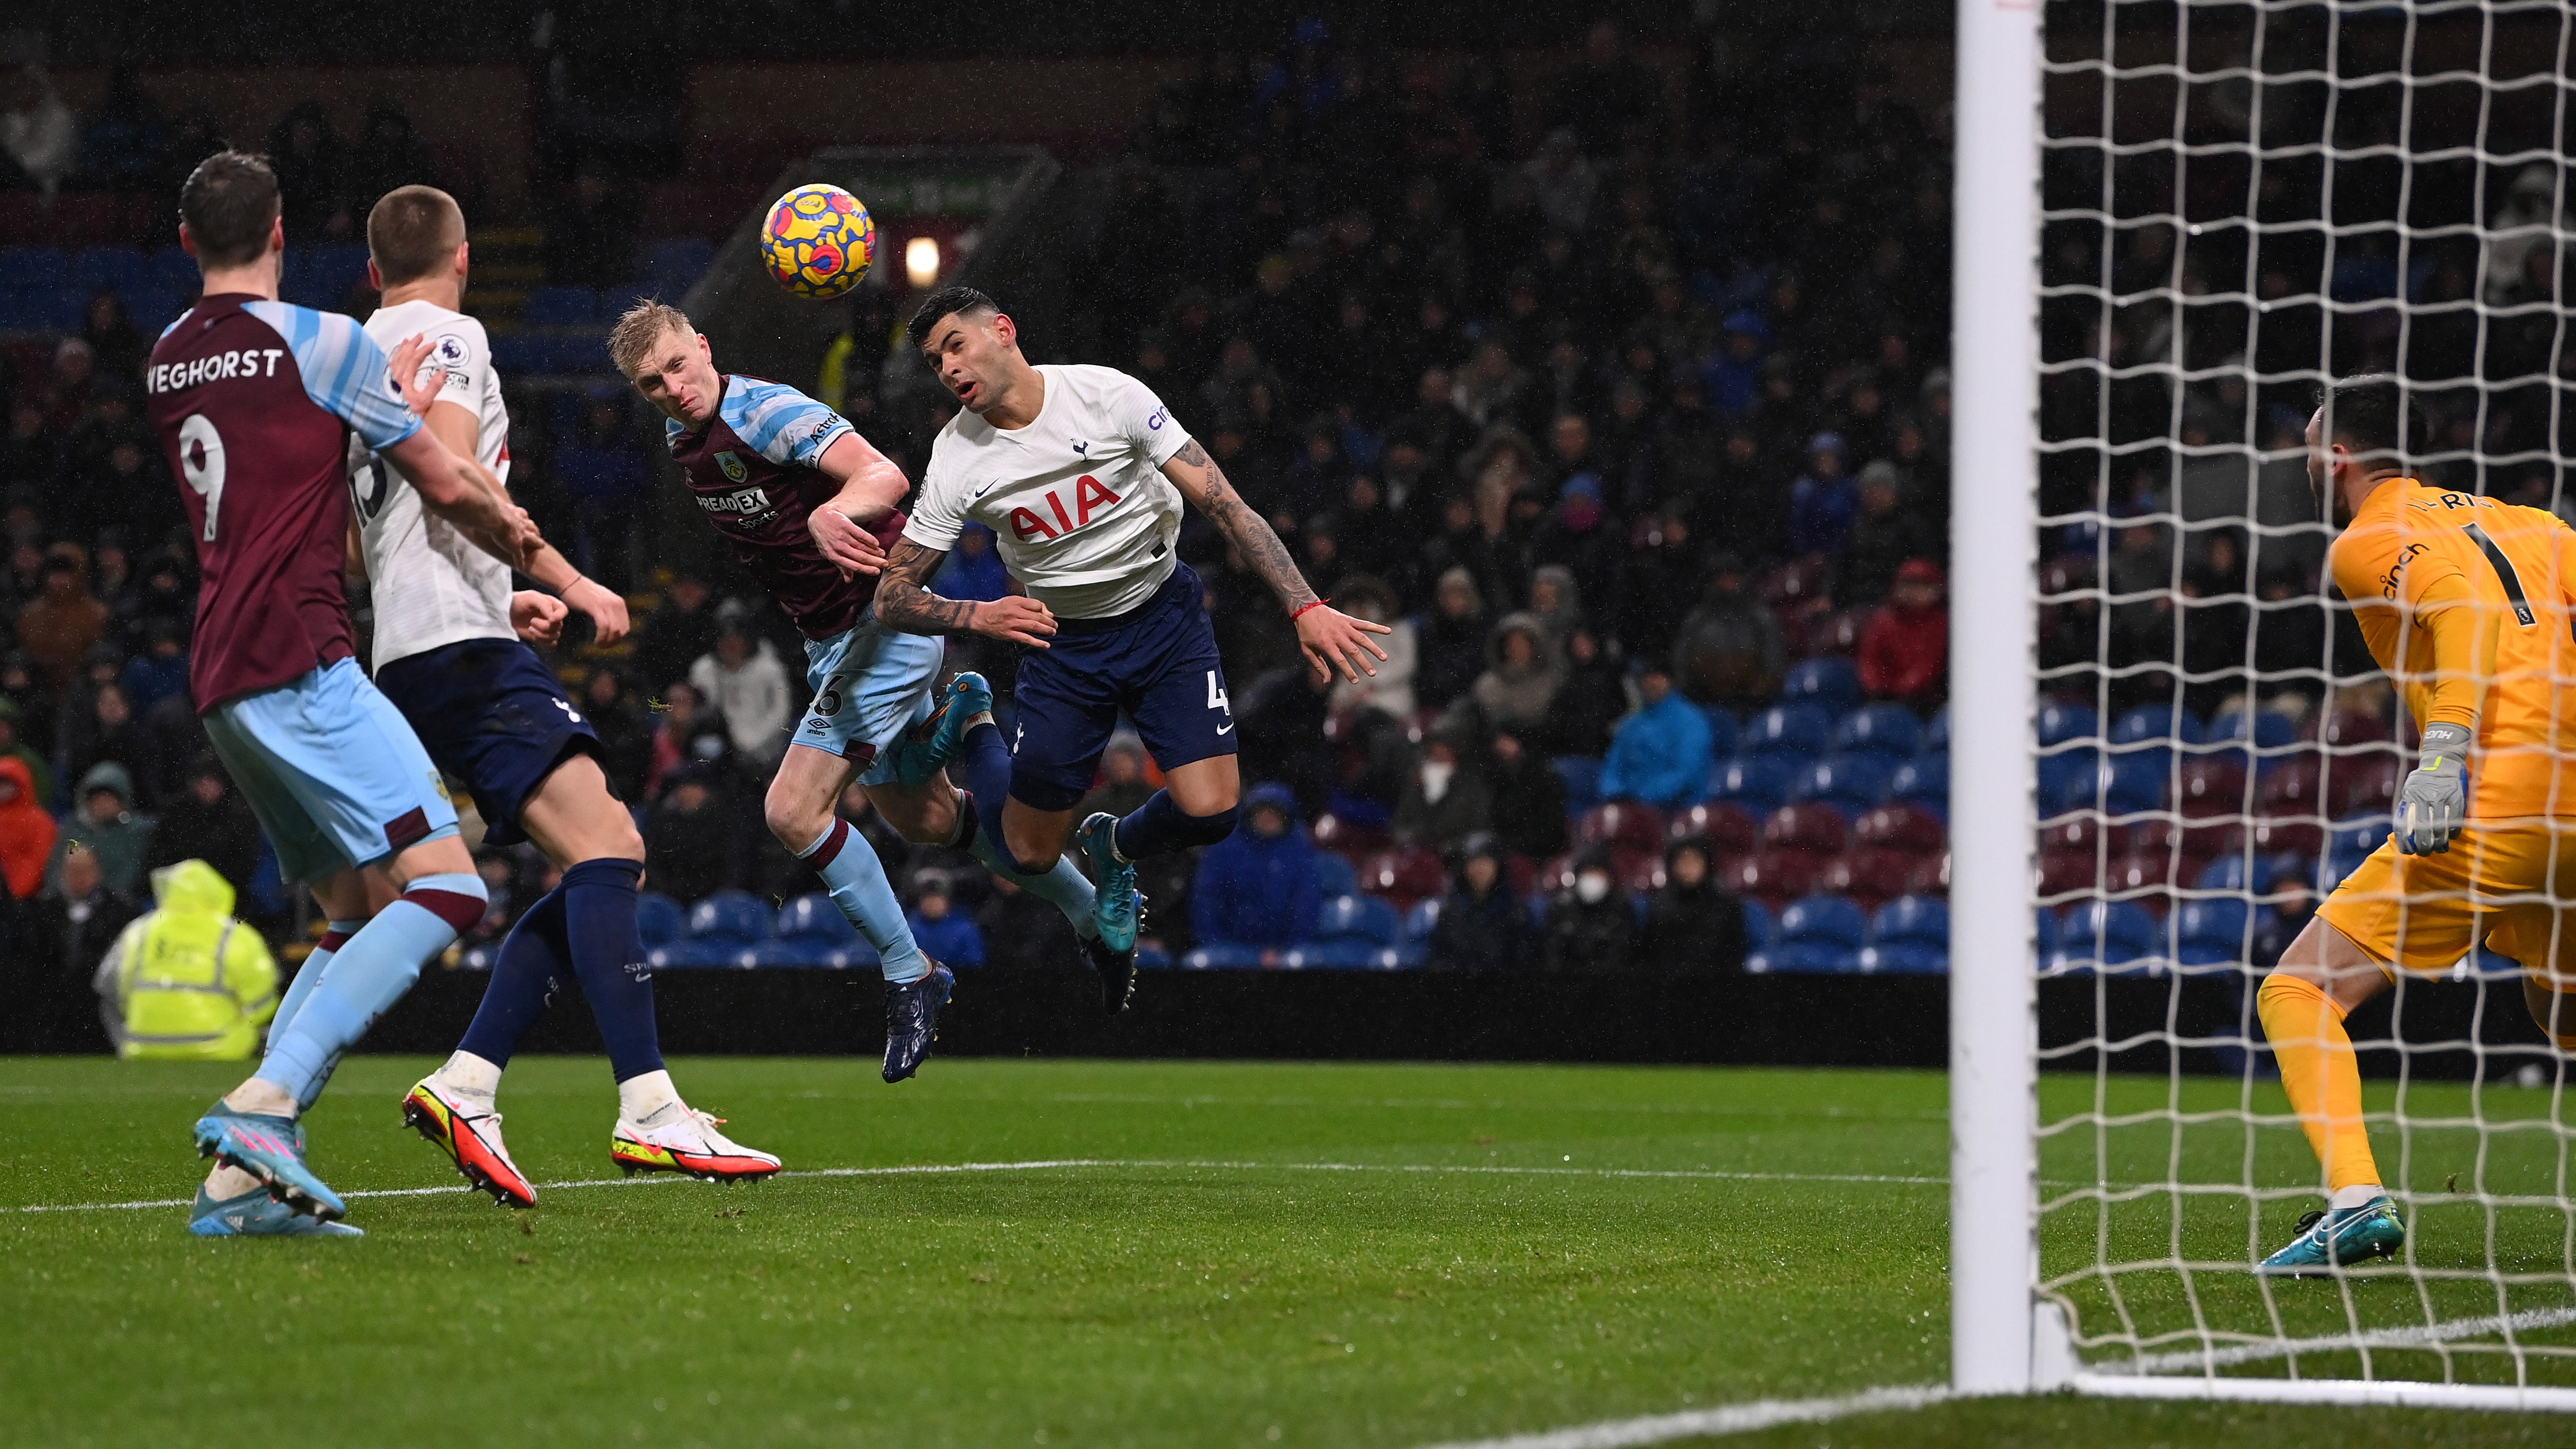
<point x="2466" y="603"/>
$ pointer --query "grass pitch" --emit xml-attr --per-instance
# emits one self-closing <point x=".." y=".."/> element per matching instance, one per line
<point x="1221" y="1254"/>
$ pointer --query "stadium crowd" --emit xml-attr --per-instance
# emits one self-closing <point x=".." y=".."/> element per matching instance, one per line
<point x="1628" y="415"/>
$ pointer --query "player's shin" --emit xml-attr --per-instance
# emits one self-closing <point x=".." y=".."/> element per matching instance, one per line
<point x="608" y="959"/>
<point x="857" y="881"/>
<point x="1065" y="887"/>
<point x="1160" y="826"/>
<point x="367" y="977"/>
<point x="2323" y="1080"/>
<point x="986" y="763"/>
<point x="309" y="976"/>
<point x="531" y="960"/>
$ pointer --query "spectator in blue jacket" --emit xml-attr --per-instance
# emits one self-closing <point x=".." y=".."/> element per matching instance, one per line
<point x="1823" y="501"/>
<point x="159" y="672"/>
<point x="1660" y="754"/>
<point x="1258" y="886"/>
<point x="947" y="935"/>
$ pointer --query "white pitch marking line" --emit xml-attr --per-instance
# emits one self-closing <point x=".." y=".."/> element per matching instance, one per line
<point x="2417" y="1336"/>
<point x="1057" y="1163"/>
<point x="1727" y="1419"/>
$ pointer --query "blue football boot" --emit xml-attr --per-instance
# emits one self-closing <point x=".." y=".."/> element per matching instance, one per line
<point x="912" y="1020"/>
<point x="272" y="1150"/>
<point x="917" y="759"/>
<point x="255" y="1214"/>
<point x="2339" y="1238"/>
<point x="1118" y="907"/>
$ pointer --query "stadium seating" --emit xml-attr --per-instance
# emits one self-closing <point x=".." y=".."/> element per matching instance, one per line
<point x="1415" y="930"/>
<point x="1908" y="936"/>
<point x="1849" y="783"/>
<point x="1581" y="775"/>
<point x="1817" y="935"/>
<point x="2346" y="728"/>
<point x="1819" y="829"/>
<point x="811" y="931"/>
<point x="1829" y="681"/>
<point x="1343" y="837"/>
<point x="2061" y="724"/>
<point x="2157" y="725"/>
<point x="1622" y="825"/>
<point x="1936" y="735"/>
<point x="721" y="931"/>
<point x="1923" y="781"/>
<point x="1757" y="783"/>
<point x="2108" y="937"/>
<point x="2066" y="779"/>
<point x="2358" y="783"/>
<point x="1724" y="731"/>
<point x="2209" y="786"/>
<point x="1335" y="874"/>
<point x="1761" y="925"/>
<point x="1888" y="731"/>
<point x="2130" y="784"/>
<point x="657" y="919"/>
<point x="1796" y="730"/>
<point x="2214" y="932"/>
<point x="1930" y="877"/>
<point x="1774" y="877"/>
<point x="1870" y="876"/>
<point x="2254" y="741"/>
<point x="1404" y="876"/>
<point x="1730" y="829"/>
<point x="561" y="307"/>
<point x="1899" y="827"/>
<point x="1353" y="933"/>
<point x="32" y="267"/>
<point x="1222" y="956"/>
<point x="2293" y="788"/>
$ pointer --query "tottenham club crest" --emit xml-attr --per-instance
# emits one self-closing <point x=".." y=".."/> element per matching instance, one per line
<point x="732" y="466"/>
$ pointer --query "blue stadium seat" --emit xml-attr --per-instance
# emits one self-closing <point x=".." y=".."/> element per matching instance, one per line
<point x="561" y="307"/>
<point x="1760" y="926"/>
<point x="2109" y="937"/>
<point x="721" y="930"/>
<point x="2359" y="834"/>
<point x="1222" y="956"/>
<point x="2046" y="928"/>
<point x="1923" y="780"/>
<point x="1819" y="935"/>
<point x="2061" y="723"/>
<point x="32" y="267"/>
<point x="1724" y="731"/>
<point x="1852" y="783"/>
<point x="657" y="919"/>
<point x="1830" y="681"/>
<point x="2066" y="780"/>
<point x="1757" y="783"/>
<point x="813" y="932"/>
<point x="2214" y="932"/>
<point x="173" y="267"/>
<point x="43" y="308"/>
<point x="1582" y="777"/>
<point x="1887" y="730"/>
<point x="1909" y="936"/>
<point x="2130" y="785"/>
<point x="2158" y="723"/>
<point x="1335" y="875"/>
<point x="1419" y="922"/>
<point x="151" y="307"/>
<point x="1789" y="729"/>
<point x="2270" y="734"/>
<point x="1357" y="918"/>
<point x="1936" y="735"/>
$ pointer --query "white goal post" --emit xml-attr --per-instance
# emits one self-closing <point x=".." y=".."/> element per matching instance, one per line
<point x="2065" y="1274"/>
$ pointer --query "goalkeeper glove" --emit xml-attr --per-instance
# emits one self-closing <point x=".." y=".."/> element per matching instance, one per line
<point x="2435" y="801"/>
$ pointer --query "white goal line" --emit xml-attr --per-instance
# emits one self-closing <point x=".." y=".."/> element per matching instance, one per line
<point x="1048" y="1164"/>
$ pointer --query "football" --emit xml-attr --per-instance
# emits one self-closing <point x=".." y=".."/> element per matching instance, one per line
<point x="818" y="241"/>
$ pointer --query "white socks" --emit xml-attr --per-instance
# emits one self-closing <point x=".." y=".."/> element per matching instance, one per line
<point x="648" y="1099"/>
<point x="226" y="1183"/>
<point x="469" y="1076"/>
<point x="2355" y="1196"/>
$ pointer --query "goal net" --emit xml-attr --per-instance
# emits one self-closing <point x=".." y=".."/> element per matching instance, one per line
<point x="2228" y="205"/>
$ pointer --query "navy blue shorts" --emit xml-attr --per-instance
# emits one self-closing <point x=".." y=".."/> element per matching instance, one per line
<point x="491" y="714"/>
<point x="1157" y="663"/>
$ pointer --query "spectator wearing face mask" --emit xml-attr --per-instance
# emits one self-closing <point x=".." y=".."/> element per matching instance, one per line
<point x="1590" y="927"/>
<point x="1446" y="800"/>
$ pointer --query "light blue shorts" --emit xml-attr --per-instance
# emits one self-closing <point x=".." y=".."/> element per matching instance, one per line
<point x="871" y="684"/>
<point x="331" y="769"/>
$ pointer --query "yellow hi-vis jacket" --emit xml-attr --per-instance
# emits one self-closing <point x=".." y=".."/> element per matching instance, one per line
<point x="188" y="981"/>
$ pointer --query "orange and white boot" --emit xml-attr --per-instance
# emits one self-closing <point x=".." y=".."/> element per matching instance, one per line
<point x="471" y="1138"/>
<point x="690" y="1143"/>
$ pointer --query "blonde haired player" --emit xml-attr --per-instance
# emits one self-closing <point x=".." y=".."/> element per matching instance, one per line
<point x="2466" y="603"/>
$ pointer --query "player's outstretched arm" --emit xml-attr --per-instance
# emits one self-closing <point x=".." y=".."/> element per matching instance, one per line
<point x="905" y="603"/>
<point x="1332" y="639"/>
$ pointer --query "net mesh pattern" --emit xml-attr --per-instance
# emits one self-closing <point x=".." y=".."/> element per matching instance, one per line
<point x="2238" y="203"/>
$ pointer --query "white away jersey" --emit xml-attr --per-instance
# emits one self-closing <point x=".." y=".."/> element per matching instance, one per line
<point x="1076" y="500"/>
<point x="432" y="585"/>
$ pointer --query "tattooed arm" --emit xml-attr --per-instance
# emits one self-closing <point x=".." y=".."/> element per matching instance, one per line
<point x="905" y="603"/>
<point x="1329" y="637"/>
